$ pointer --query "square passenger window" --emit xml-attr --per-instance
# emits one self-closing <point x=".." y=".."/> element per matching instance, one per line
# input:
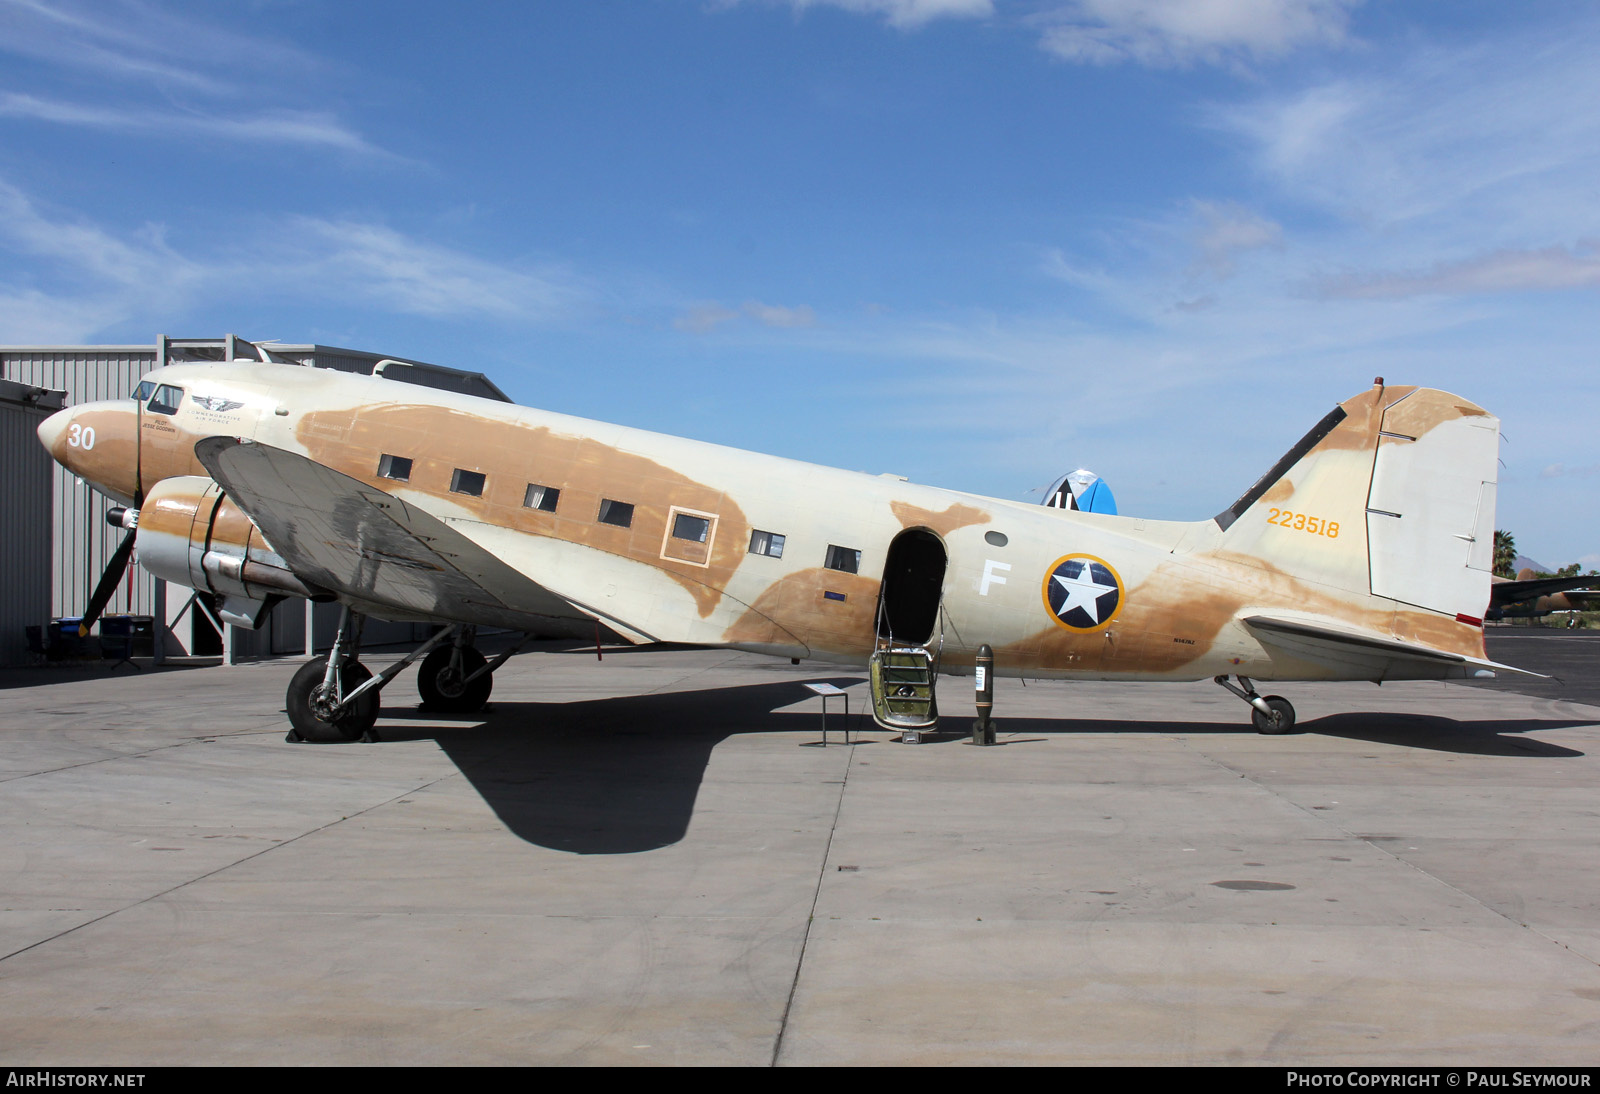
<point x="541" y="497"/>
<point x="843" y="558"/>
<point x="395" y="467"/>
<point x="619" y="513"/>
<point x="766" y="543"/>
<point x="692" y="528"/>
<point x="467" y="482"/>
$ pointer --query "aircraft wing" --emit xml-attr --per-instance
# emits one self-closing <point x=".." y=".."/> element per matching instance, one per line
<point x="1373" y="656"/>
<point x="1502" y="593"/>
<point x="394" y="559"/>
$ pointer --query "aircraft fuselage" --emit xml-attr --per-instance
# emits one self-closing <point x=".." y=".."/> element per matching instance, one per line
<point x="666" y="539"/>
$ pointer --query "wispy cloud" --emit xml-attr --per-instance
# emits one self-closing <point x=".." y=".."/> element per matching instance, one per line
<point x="1229" y="230"/>
<point x="704" y="318"/>
<point x="132" y="49"/>
<point x="1561" y="470"/>
<point x="308" y="128"/>
<point x="776" y="315"/>
<point x="82" y="278"/>
<point x="377" y="264"/>
<point x="1056" y="264"/>
<point x="1178" y="33"/>
<point x="1157" y="33"/>
<point x="1550" y="268"/>
<point x="119" y="41"/>
<point x="142" y="261"/>
<point x="77" y="278"/>
<point x="1456" y="172"/>
<point x="1499" y="135"/>
<point x="906" y="14"/>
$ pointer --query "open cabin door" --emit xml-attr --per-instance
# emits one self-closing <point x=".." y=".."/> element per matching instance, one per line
<point x="903" y="670"/>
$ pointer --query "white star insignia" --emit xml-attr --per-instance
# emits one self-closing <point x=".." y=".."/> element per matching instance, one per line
<point x="1083" y="592"/>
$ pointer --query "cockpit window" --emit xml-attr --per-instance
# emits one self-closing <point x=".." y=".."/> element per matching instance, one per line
<point x="144" y="390"/>
<point x="167" y="399"/>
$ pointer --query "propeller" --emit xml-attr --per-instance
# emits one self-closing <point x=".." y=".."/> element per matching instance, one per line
<point x="117" y="517"/>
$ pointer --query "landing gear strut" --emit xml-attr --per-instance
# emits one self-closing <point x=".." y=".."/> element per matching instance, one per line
<point x="335" y="699"/>
<point x="331" y="699"/>
<point x="1270" y="713"/>
<point x="314" y="708"/>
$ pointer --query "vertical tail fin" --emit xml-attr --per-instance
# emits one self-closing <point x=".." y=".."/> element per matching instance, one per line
<point x="1391" y="494"/>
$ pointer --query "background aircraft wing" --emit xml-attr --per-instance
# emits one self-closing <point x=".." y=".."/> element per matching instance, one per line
<point x="1366" y="655"/>
<point x="1502" y="593"/>
<point x="369" y="546"/>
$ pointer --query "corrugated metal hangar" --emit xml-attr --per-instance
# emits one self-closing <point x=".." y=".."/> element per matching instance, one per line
<point x="24" y="516"/>
<point x="54" y="538"/>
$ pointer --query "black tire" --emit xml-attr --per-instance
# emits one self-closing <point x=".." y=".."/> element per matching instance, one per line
<point x="306" y="688"/>
<point x="441" y="688"/>
<point x="1282" y="719"/>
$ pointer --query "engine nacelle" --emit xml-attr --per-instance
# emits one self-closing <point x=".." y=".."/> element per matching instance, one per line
<point x="190" y="533"/>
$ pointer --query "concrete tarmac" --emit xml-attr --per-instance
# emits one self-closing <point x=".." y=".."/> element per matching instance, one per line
<point x="652" y="860"/>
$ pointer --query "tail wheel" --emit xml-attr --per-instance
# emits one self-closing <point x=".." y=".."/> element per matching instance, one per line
<point x="309" y="707"/>
<point x="441" y="681"/>
<point x="1281" y="720"/>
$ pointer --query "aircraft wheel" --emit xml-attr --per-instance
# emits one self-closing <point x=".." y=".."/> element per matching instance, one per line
<point x="309" y="714"/>
<point x="1281" y="719"/>
<point x="441" y="686"/>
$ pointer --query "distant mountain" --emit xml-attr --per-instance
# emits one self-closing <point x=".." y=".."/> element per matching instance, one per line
<point x="1525" y="563"/>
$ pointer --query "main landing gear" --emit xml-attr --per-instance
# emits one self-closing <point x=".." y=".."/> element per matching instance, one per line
<point x="334" y="699"/>
<point x="456" y="679"/>
<point x="1270" y="713"/>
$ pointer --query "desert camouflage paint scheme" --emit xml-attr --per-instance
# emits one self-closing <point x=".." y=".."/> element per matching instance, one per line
<point x="1365" y="554"/>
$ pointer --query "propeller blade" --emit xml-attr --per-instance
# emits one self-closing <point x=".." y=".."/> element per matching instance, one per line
<point x="108" y="584"/>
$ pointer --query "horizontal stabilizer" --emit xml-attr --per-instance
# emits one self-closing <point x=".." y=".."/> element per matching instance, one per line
<point x="1361" y="654"/>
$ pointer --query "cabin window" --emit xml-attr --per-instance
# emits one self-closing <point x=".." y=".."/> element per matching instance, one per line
<point x="467" y="482"/>
<point x="397" y="468"/>
<point x="690" y="527"/>
<point x="541" y="497"/>
<point x="690" y="533"/>
<point x="166" y="400"/>
<point x="619" y="513"/>
<point x="766" y="543"/>
<point x="847" y="559"/>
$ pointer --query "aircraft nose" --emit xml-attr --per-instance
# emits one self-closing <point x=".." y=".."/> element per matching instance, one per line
<point x="53" y="429"/>
<point x="99" y="443"/>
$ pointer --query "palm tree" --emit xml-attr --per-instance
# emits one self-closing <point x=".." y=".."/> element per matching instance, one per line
<point x="1505" y="554"/>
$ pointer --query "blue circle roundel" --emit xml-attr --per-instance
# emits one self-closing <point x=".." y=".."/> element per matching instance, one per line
<point x="1082" y="593"/>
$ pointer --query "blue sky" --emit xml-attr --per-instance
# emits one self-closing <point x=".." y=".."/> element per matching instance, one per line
<point x="975" y="242"/>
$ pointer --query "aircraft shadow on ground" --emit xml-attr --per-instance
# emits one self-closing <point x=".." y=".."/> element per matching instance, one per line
<point x="620" y="776"/>
<point x="607" y="776"/>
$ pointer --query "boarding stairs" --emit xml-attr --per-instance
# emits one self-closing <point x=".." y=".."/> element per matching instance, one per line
<point x="904" y="678"/>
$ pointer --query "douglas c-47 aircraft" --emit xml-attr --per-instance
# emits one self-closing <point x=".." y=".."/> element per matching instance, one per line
<point x="1364" y="554"/>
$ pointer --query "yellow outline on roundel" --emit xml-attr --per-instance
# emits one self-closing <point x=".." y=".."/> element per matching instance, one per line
<point x="1044" y="593"/>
